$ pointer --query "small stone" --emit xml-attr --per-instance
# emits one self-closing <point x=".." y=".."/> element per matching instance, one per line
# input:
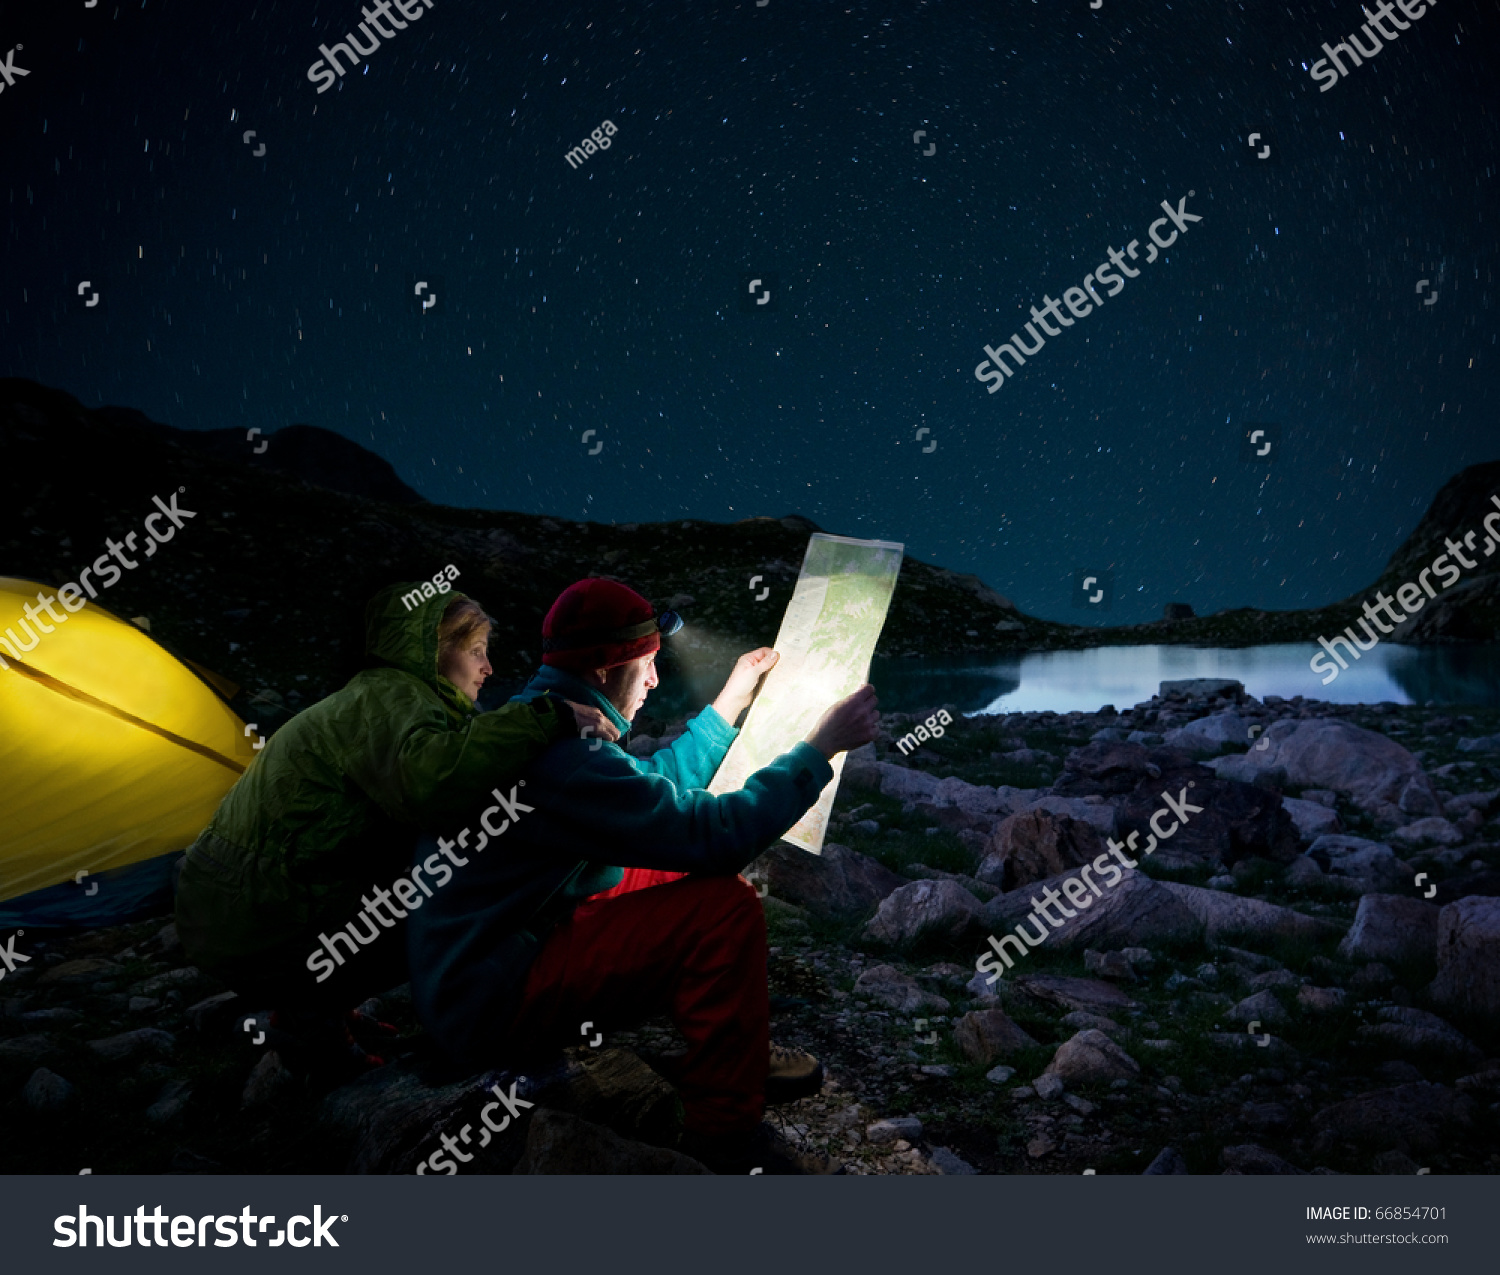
<point x="999" y="1075"/>
<point x="130" y="1045"/>
<point x="898" y="1127"/>
<point x="1047" y="1086"/>
<point x="267" y="1080"/>
<point x="1320" y="999"/>
<point x="948" y="1164"/>
<point x="170" y="1102"/>
<point x="143" y="1004"/>
<point x="1091" y="1056"/>
<point x="48" y="1094"/>
<point x="1168" y="1161"/>
<point x="941" y="1070"/>
<point x="1263" y="1007"/>
<point x="1038" y="1147"/>
<point x="1081" y="1105"/>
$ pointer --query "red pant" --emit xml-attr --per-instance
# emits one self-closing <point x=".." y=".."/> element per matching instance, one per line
<point x="693" y="947"/>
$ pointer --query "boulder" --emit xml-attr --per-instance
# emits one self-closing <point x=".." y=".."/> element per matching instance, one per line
<point x="1392" y="927"/>
<point x="1096" y="812"/>
<point x="1067" y="992"/>
<point x="1372" y="865"/>
<point x="1168" y="1161"/>
<point x="949" y="1165"/>
<point x="1202" y="688"/>
<point x="1091" y="1057"/>
<point x="85" y="970"/>
<point x="1373" y="770"/>
<point x="910" y="786"/>
<point x="269" y="1079"/>
<point x="1139" y="910"/>
<point x="941" y="909"/>
<point x="1115" y="966"/>
<point x="1236" y="820"/>
<point x="1081" y="1020"/>
<point x="889" y="986"/>
<point x="1320" y="1000"/>
<point x="893" y="1130"/>
<point x="1034" y="844"/>
<point x="1104" y="768"/>
<point x="1262" y="1007"/>
<point x="1208" y="735"/>
<point x="1416" y="1030"/>
<point x="558" y="1143"/>
<point x="1311" y="819"/>
<point x="1468" y="954"/>
<point x="128" y="1046"/>
<point x="988" y="1034"/>
<point x="48" y="1094"/>
<point x="170" y="1102"/>
<point x="31" y="1050"/>
<point x="1247" y="1158"/>
<point x="1483" y="802"/>
<point x="1225" y="915"/>
<point x="390" y="1120"/>
<point x="214" y="1015"/>
<point x="1303" y="871"/>
<point x="1434" y="830"/>
<point x="838" y="883"/>
<point x="1415" y="1119"/>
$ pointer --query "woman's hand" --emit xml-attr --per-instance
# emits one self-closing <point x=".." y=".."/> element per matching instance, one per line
<point x="592" y="722"/>
<point x="739" y="687"/>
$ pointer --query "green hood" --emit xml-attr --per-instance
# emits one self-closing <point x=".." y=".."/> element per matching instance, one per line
<point x="406" y="637"/>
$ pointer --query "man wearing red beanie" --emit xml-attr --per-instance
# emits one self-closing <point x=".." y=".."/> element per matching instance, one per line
<point x="615" y="896"/>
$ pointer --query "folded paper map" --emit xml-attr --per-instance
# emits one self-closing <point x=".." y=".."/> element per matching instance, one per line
<point x="827" y="637"/>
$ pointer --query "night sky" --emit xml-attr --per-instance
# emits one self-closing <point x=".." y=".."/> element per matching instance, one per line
<point x="776" y="142"/>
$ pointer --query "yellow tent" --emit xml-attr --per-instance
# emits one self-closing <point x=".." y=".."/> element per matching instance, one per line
<point x="112" y="751"/>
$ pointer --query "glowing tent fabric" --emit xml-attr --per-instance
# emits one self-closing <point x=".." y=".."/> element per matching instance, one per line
<point x="111" y="750"/>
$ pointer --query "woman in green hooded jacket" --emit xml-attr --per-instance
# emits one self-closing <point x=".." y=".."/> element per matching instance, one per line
<point x="330" y="807"/>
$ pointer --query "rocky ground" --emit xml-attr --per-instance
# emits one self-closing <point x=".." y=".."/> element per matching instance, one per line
<point x="1304" y="979"/>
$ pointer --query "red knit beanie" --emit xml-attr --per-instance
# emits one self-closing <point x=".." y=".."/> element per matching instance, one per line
<point x="598" y="624"/>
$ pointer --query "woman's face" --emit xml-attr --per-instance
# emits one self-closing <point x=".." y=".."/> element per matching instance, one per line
<point x="467" y="666"/>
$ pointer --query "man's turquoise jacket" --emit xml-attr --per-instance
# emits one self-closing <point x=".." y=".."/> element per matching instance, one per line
<point x="588" y="809"/>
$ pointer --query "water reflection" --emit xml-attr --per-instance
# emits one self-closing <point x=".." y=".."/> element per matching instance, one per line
<point x="1126" y="675"/>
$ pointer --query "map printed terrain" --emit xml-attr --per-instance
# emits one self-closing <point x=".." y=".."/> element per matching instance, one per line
<point x="827" y="637"/>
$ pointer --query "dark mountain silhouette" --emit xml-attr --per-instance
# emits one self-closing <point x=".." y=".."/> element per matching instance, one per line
<point x="267" y="583"/>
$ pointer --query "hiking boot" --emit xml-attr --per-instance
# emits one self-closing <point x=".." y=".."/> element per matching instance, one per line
<point x="761" y="1150"/>
<point x="794" y="1074"/>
